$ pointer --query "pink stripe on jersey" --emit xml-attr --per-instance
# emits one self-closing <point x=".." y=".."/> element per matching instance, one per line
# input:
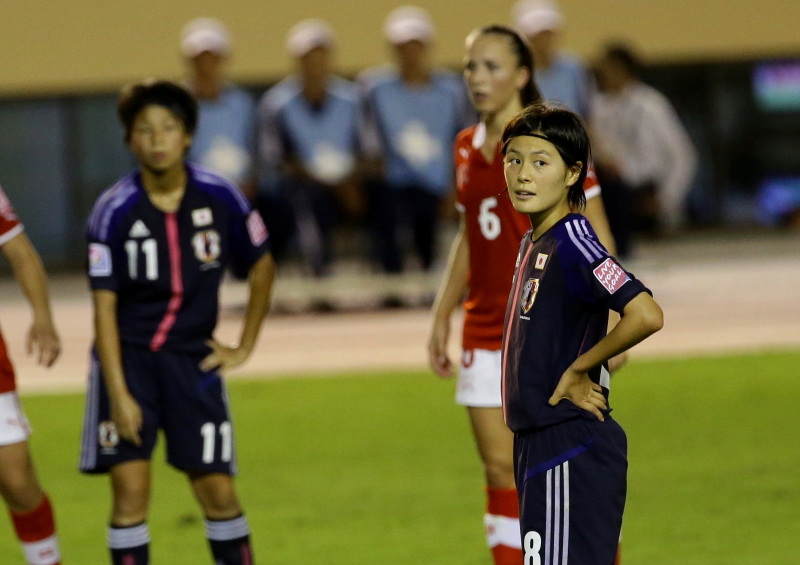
<point x="514" y="304"/>
<point x="176" y="283"/>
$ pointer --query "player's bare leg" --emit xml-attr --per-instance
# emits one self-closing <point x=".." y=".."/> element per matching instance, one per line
<point x="18" y="484"/>
<point x="30" y="508"/>
<point x="128" y="537"/>
<point x="226" y="527"/>
<point x="495" y="444"/>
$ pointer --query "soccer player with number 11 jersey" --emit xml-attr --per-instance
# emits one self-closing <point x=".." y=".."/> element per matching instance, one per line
<point x="159" y="242"/>
<point x="499" y="75"/>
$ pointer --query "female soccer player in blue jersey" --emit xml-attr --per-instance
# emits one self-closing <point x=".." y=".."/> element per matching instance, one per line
<point x="570" y="455"/>
<point x="159" y="242"/>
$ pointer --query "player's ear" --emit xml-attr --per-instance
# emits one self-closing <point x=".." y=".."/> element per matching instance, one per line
<point x="573" y="173"/>
<point x="523" y="78"/>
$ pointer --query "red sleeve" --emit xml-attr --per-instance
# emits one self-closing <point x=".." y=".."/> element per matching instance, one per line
<point x="9" y="223"/>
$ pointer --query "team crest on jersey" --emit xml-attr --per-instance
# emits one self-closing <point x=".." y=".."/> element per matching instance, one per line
<point x="529" y="292"/>
<point x="611" y="275"/>
<point x="206" y="245"/>
<point x="541" y="261"/>
<point x="108" y="437"/>
<point x="202" y="217"/>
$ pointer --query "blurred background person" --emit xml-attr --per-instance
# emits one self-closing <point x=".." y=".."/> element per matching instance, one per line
<point x="309" y="144"/>
<point x="644" y="158"/>
<point x="560" y="77"/>
<point x="225" y="138"/>
<point x="412" y="113"/>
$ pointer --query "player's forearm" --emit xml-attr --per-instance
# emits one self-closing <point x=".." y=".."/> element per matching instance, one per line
<point x="260" y="280"/>
<point x="106" y="342"/>
<point x="641" y="318"/>
<point x="30" y="275"/>
<point x="454" y="284"/>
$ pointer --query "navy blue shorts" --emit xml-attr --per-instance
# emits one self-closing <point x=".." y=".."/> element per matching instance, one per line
<point x="571" y="480"/>
<point x="189" y="405"/>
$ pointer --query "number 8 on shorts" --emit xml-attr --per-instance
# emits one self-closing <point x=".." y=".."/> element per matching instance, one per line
<point x="532" y="544"/>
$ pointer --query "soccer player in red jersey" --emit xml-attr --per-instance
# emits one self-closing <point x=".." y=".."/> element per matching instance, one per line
<point x="29" y="506"/>
<point x="499" y="74"/>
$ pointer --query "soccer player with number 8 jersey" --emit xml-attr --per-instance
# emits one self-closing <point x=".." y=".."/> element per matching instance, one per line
<point x="570" y="456"/>
<point x="159" y="242"/>
<point x="499" y="74"/>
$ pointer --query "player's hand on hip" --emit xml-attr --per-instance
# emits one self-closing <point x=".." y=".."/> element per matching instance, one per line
<point x="579" y="389"/>
<point x="223" y="358"/>
<point x="437" y="349"/>
<point x="127" y="417"/>
<point x="43" y="342"/>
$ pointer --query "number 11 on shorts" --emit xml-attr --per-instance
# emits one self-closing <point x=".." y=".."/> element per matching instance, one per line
<point x="532" y="545"/>
<point x="209" y="433"/>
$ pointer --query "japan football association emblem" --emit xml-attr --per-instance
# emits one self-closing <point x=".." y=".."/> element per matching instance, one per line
<point x="108" y="437"/>
<point x="529" y="294"/>
<point x="206" y="245"/>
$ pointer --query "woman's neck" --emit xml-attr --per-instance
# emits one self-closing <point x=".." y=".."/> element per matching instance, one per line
<point x="546" y="219"/>
<point x="166" y="189"/>
<point x="495" y="123"/>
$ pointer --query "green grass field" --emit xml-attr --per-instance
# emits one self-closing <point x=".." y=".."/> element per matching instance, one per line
<point x="380" y="469"/>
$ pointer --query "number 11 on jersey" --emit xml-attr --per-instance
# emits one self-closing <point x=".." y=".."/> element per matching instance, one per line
<point x="150" y="250"/>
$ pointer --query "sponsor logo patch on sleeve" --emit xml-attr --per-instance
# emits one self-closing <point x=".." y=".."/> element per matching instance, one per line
<point x="99" y="260"/>
<point x="611" y="275"/>
<point x="256" y="228"/>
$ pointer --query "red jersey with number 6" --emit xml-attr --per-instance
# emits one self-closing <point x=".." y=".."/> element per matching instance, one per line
<point x="9" y="228"/>
<point x="494" y="230"/>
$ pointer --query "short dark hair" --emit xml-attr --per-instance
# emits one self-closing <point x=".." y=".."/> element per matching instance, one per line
<point x="624" y="54"/>
<point x="171" y="96"/>
<point x="522" y="51"/>
<point x="562" y="128"/>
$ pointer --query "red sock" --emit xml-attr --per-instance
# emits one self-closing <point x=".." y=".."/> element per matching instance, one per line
<point x="36" y="531"/>
<point x="502" y="526"/>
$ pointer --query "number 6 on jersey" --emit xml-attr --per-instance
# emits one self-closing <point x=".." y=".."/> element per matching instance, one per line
<point x="488" y="220"/>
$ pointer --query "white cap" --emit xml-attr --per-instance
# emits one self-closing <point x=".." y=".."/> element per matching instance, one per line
<point x="535" y="16"/>
<point x="308" y="34"/>
<point x="408" y="23"/>
<point x="205" y="34"/>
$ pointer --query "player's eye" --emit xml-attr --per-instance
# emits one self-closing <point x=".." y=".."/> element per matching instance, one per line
<point x="539" y="163"/>
<point x="513" y="161"/>
<point x="469" y="66"/>
<point x="492" y="66"/>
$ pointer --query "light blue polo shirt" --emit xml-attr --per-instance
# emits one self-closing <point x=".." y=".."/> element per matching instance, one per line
<point x="412" y="127"/>
<point x="324" y="138"/>
<point x="567" y="81"/>
<point x="224" y="141"/>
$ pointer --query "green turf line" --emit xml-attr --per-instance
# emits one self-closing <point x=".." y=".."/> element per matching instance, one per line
<point x="363" y="470"/>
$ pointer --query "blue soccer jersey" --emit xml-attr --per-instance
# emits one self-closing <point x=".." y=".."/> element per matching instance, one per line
<point x="166" y="268"/>
<point x="564" y="285"/>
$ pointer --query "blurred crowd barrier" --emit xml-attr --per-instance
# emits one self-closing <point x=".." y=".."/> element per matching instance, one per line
<point x="361" y="166"/>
